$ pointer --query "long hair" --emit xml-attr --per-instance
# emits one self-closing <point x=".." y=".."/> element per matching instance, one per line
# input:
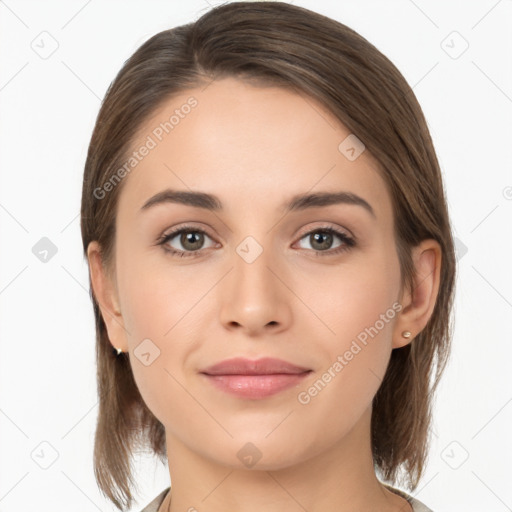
<point x="279" y="44"/>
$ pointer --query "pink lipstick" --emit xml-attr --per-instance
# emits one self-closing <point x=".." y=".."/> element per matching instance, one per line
<point x="255" y="379"/>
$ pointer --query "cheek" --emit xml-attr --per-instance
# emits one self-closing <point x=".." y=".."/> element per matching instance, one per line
<point x="356" y="310"/>
<point x="161" y="306"/>
<point x="347" y="301"/>
<point x="360" y="310"/>
<point x="155" y="295"/>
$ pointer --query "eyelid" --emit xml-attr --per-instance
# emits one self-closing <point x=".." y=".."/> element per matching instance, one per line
<point x="185" y="227"/>
<point x="326" y="225"/>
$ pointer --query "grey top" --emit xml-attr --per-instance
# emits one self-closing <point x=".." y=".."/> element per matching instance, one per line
<point x="417" y="506"/>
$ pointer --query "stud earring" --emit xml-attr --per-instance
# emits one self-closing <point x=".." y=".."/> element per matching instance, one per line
<point x="406" y="334"/>
<point x="118" y="351"/>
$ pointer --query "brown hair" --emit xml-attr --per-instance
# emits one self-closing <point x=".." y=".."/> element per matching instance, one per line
<point x="276" y="43"/>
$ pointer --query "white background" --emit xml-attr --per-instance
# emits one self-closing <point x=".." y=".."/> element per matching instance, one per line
<point x="48" y="107"/>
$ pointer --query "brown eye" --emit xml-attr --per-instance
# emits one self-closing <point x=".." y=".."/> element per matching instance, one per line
<point x="322" y="239"/>
<point x="191" y="240"/>
<point x="185" y="241"/>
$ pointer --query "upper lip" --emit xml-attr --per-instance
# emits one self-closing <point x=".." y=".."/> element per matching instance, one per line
<point x="264" y="366"/>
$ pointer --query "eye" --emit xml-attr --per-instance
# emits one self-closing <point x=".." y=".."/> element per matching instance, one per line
<point x="321" y="241"/>
<point x="190" y="238"/>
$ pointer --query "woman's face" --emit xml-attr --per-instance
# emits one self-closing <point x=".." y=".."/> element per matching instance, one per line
<point x="253" y="278"/>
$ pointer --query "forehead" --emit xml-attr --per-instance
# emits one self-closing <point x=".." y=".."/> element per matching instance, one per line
<point x="250" y="144"/>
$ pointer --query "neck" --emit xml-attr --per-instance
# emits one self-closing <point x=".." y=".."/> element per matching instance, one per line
<point x="341" y="478"/>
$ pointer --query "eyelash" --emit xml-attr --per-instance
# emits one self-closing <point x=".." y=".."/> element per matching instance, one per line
<point x="348" y="242"/>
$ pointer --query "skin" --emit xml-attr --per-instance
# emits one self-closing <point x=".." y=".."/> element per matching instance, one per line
<point x="254" y="148"/>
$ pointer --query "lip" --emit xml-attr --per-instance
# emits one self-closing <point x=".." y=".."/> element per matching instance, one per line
<point x="255" y="379"/>
<point x="263" y="366"/>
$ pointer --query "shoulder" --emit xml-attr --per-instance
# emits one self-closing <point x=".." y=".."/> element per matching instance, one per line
<point x="153" y="506"/>
<point x="417" y="506"/>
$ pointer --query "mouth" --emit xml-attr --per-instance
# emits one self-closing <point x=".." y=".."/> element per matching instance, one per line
<point x="254" y="379"/>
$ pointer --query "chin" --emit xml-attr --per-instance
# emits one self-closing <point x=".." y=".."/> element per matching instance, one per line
<point x="247" y="452"/>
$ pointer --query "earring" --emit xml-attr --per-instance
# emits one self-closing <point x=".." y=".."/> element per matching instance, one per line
<point x="406" y="334"/>
<point x="118" y="351"/>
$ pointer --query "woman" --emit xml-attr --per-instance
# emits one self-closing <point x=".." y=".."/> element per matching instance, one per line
<point x="272" y="267"/>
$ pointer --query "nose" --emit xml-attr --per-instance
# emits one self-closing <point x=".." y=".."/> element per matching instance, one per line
<point x="254" y="296"/>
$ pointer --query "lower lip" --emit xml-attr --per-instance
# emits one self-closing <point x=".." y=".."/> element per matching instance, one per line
<point x="256" y="386"/>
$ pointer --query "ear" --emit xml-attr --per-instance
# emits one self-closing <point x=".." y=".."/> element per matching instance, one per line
<point x="418" y="303"/>
<point x="105" y="293"/>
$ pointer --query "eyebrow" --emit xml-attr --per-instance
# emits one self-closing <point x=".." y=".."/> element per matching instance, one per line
<point x="298" y="202"/>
